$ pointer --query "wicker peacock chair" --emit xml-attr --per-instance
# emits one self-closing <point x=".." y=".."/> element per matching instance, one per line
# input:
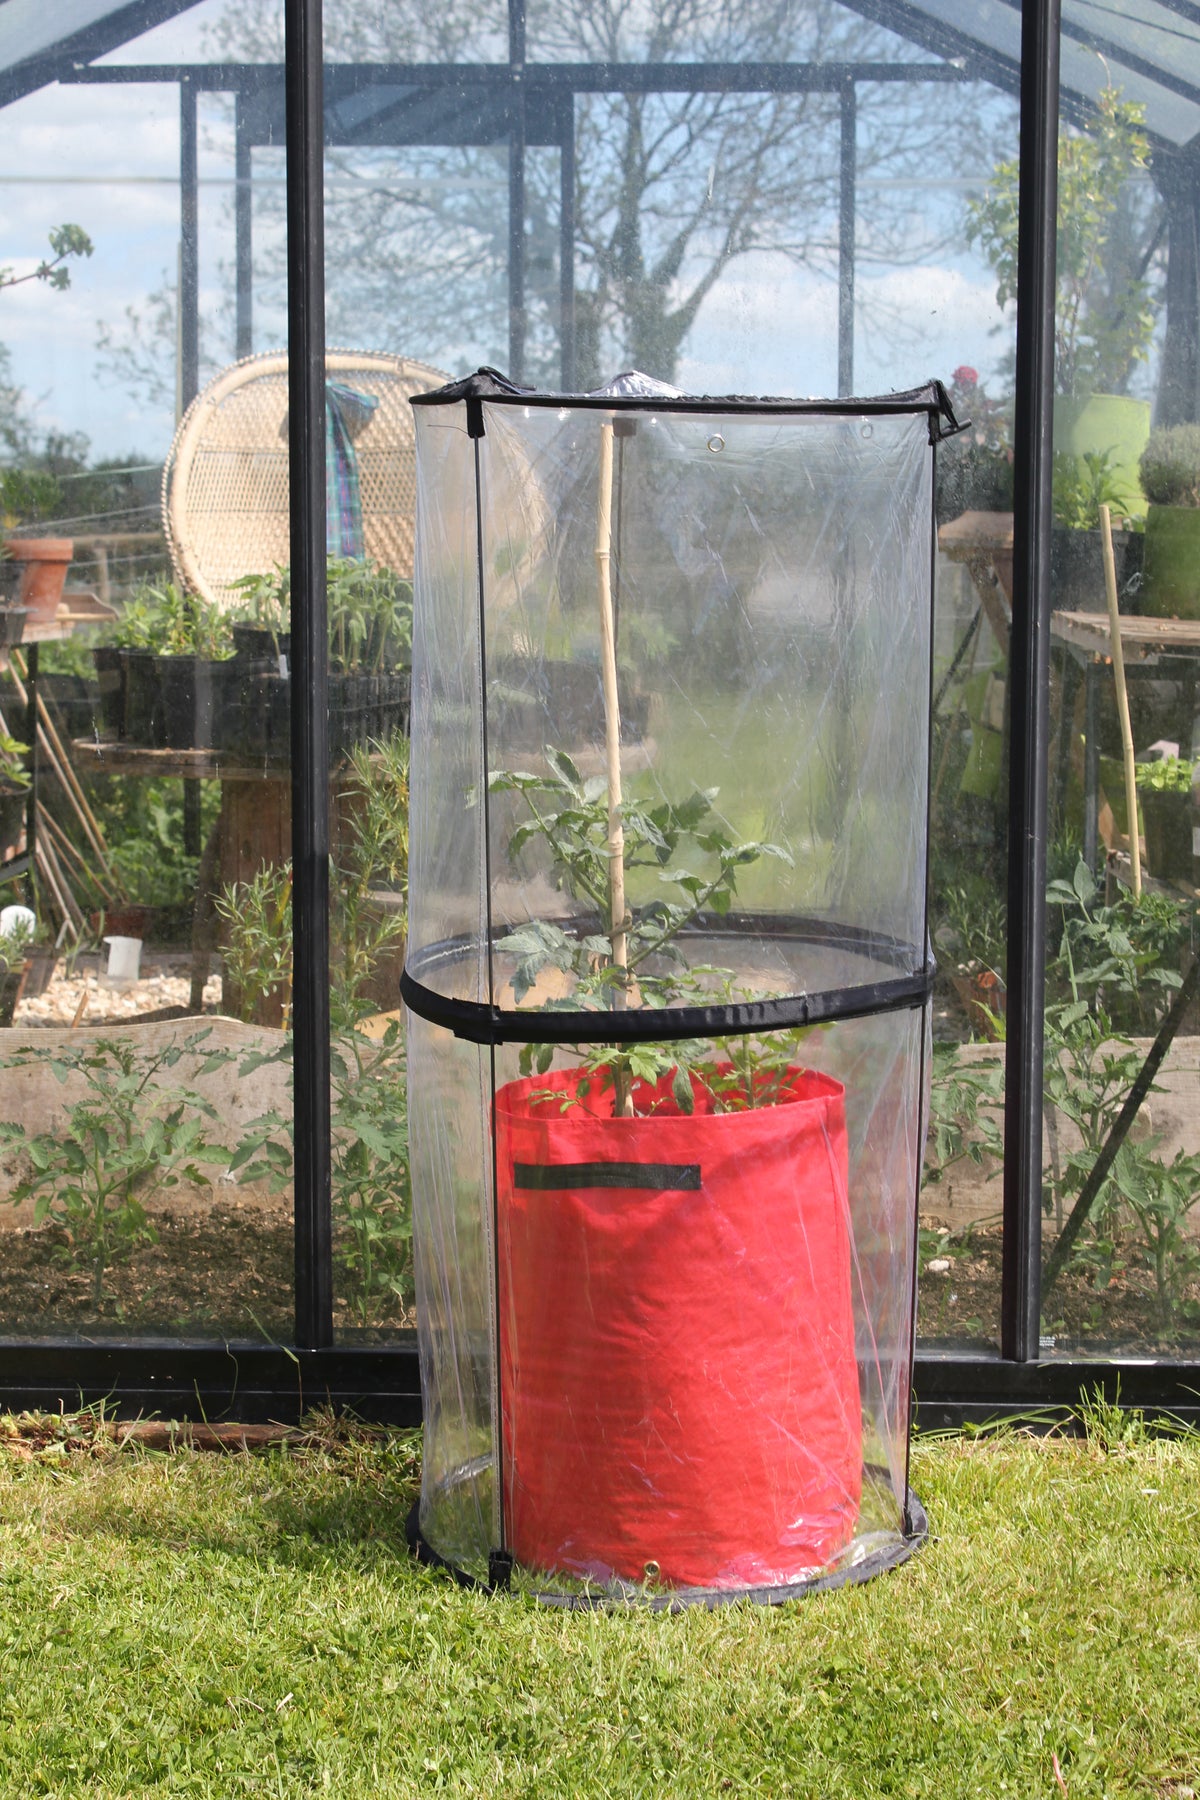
<point x="225" y="484"/>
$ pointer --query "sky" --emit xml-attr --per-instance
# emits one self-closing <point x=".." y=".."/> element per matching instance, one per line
<point x="107" y="159"/>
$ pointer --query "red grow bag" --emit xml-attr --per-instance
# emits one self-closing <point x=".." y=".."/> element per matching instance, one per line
<point x="679" y="1388"/>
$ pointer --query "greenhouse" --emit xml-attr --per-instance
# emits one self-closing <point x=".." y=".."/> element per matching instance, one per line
<point x="309" y="453"/>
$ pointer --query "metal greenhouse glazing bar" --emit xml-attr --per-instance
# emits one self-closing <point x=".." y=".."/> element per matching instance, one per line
<point x="669" y="981"/>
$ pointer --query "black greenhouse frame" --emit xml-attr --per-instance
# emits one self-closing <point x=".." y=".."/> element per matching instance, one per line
<point x="525" y="105"/>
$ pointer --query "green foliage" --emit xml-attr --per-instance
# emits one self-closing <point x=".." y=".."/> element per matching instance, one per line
<point x="696" y="860"/>
<point x="370" y="1182"/>
<point x="966" y="1110"/>
<point x="13" y="774"/>
<point x="1082" y="485"/>
<point x="370" y="616"/>
<point x="65" y="241"/>
<point x="1119" y="958"/>
<point x="972" y="923"/>
<point x="258" y="938"/>
<point x="370" y="884"/>
<point x="1168" y="775"/>
<point x="28" y="495"/>
<point x="1160" y="1196"/>
<point x="128" y="1138"/>
<point x="142" y="824"/>
<point x="265" y="600"/>
<point x="371" y="1194"/>
<point x="1104" y="312"/>
<point x="1112" y="971"/>
<point x="370" y="611"/>
<point x="1170" y="466"/>
<point x="160" y="617"/>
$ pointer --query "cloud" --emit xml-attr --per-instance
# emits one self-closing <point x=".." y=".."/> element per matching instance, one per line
<point x="769" y="327"/>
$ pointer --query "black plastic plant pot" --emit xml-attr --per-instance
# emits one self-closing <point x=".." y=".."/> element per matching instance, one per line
<point x="12" y="624"/>
<point x="111" y="669"/>
<point x="668" y="984"/>
<point x="191" y="689"/>
<point x="255" y="644"/>
<point x="145" y="724"/>
<point x="255" y="714"/>
<point x="73" y="703"/>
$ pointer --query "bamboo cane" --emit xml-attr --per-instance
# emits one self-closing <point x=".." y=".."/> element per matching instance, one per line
<point x="618" y="935"/>
<point x="1118" y="662"/>
<point x="63" y="768"/>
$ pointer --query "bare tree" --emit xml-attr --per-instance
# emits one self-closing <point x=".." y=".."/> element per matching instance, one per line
<point x="672" y="188"/>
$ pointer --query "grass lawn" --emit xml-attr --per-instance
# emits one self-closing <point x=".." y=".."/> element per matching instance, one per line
<point x="191" y="1623"/>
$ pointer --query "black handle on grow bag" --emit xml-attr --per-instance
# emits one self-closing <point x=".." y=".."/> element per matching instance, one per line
<point x="655" y="1178"/>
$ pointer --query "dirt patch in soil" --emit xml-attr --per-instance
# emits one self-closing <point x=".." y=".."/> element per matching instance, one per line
<point x="960" y="1306"/>
<point x="225" y="1270"/>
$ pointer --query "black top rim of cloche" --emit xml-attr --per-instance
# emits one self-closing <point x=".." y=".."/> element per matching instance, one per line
<point x="496" y="389"/>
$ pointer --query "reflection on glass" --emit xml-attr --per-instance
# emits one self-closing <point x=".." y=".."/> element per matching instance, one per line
<point x="144" y="1080"/>
<point x="1121" y="1182"/>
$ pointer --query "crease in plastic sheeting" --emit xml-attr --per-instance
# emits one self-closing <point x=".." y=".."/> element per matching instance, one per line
<point x="444" y="1477"/>
<point x="631" y="384"/>
<point x="443" y="865"/>
<point x="898" y="1157"/>
<point x="876" y="1363"/>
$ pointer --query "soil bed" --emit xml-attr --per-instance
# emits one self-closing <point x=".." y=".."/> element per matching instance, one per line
<point x="960" y="1306"/>
<point x="221" y="1270"/>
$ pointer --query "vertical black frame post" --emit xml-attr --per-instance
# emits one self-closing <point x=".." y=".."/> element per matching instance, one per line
<point x="189" y="340"/>
<point x="243" y="226"/>
<point x="1029" y="683"/>
<point x="516" y="191"/>
<point x="847" y="227"/>
<point x="566" y="242"/>
<point x="310" y="682"/>
<point x="189" y="248"/>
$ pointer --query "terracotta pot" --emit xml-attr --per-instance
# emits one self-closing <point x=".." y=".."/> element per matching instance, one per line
<point x="124" y="919"/>
<point x="46" y="563"/>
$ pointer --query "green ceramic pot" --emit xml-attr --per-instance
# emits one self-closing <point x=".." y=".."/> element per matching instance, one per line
<point x="1171" y="584"/>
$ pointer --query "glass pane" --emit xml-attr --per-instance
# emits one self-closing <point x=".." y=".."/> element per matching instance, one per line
<point x="800" y="238"/>
<point x="1122" y="1264"/>
<point x="142" y="1061"/>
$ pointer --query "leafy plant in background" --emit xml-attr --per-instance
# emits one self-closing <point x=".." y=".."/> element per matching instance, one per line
<point x="369" y="610"/>
<point x="1104" y="308"/>
<point x="160" y="617"/>
<point x="142" y="825"/>
<point x="27" y="495"/>
<point x="1167" y="775"/>
<point x="697" y="862"/>
<point x="370" y="888"/>
<point x="1082" y="485"/>
<point x="1170" y="466"/>
<point x="1121" y="956"/>
<point x="129" y="1138"/>
<point x="1112" y="966"/>
<point x="371" y="1196"/>
<point x="66" y="241"/>
<point x="370" y="1181"/>
<point x="370" y="615"/>
<point x="966" y="1106"/>
<point x="257" y="956"/>
<point x="265" y="600"/>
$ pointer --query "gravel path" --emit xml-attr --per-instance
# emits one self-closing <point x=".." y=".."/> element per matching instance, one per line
<point x="80" y="994"/>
